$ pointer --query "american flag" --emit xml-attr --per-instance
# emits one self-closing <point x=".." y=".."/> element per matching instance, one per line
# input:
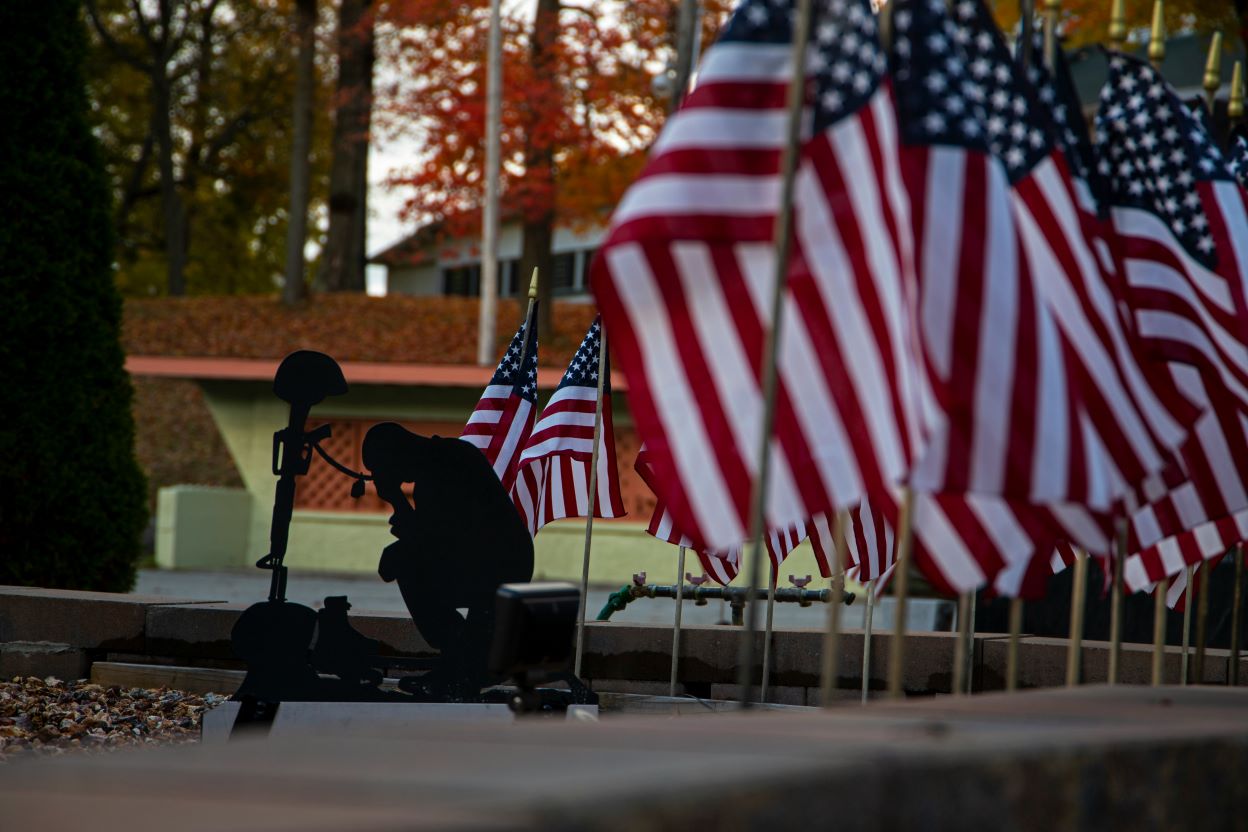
<point x="722" y="565"/>
<point x="503" y="418"/>
<point x="552" y="481"/>
<point x="1179" y="217"/>
<point x="684" y="279"/>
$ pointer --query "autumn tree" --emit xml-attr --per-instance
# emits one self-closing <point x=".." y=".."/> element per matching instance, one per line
<point x="192" y="102"/>
<point x="1087" y="21"/>
<point x="577" y="109"/>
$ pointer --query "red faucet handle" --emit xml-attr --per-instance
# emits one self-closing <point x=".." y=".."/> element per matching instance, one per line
<point x="800" y="583"/>
<point x="695" y="581"/>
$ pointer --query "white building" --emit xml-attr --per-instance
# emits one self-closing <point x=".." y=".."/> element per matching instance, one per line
<point x="422" y="264"/>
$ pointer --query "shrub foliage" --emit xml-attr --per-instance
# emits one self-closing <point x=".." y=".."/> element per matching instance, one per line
<point x="72" y="504"/>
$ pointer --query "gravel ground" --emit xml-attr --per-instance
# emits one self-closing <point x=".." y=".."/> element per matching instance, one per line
<point x="50" y="717"/>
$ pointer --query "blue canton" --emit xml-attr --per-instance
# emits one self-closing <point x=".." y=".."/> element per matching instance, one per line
<point x="583" y="371"/>
<point x="937" y="102"/>
<point x="1019" y="131"/>
<point x="523" y="383"/>
<point x="844" y="56"/>
<point x="1238" y="158"/>
<point x="1153" y="151"/>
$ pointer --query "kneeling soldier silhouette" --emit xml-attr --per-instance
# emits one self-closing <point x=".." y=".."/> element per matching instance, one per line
<point x="459" y="539"/>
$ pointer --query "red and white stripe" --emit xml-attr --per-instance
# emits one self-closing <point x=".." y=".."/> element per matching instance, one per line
<point x="502" y="421"/>
<point x="685" y="279"/>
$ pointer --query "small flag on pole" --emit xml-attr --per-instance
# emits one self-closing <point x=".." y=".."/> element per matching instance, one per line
<point x="503" y="418"/>
<point x="552" y="482"/>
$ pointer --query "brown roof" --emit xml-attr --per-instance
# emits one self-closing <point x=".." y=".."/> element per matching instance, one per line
<point x="352" y="328"/>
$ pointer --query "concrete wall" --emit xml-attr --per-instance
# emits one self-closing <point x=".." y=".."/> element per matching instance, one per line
<point x="196" y="532"/>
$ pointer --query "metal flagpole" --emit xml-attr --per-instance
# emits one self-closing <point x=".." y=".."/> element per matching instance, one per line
<point x="1212" y="80"/>
<point x="1159" y="633"/>
<point x="866" y="640"/>
<point x="781" y="241"/>
<point x="1115" y="602"/>
<point x="593" y="496"/>
<point x="901" y="592"/>
<point x="1117" y="25"/>
<point x="1011" y="650"/>
<point x="1187" y="624"/>
<point x="767" y="631"/>
<point x="1236" y="606"/>
<point x="832" y="638"/>
<point x="488" y="312"/>
<point x="680" y="606"/>
<point x="960" y="644"/>
<point x="1235" y="112"/>
<point x="1078" y="601"/>
<point x="1157" y="36"/>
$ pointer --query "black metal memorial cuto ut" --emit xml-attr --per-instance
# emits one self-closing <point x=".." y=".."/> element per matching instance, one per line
<point x="460" y="545"/>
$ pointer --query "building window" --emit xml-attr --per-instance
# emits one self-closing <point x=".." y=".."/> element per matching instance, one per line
<point x="464" y="281"/>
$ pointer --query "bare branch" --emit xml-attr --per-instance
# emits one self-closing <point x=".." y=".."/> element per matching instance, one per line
<point x="112" y="43"/>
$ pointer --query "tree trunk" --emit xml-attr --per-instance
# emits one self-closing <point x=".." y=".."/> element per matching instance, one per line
<point x="348" y="176"/>
<point x="539" y="220"/>
<point x="171" y="209"/>
<point x="295" y="289"/>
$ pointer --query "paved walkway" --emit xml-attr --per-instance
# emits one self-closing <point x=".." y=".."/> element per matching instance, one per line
<point x="369" y="592"/>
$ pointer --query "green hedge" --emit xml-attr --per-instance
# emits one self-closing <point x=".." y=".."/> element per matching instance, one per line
<point x="72" y="504"/>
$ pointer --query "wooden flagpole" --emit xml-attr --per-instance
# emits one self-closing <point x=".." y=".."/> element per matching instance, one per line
<point x="901" y="592"/>
<point x="1159" y="633"/>
<point x="680" y="606"/>
<point x="593" y="496"/>
<point x="829" y="670"/>
<point x="866" y="639"/>
<point x="1211" y="82"/>
<point x="781" y="241"/>
<point x="1078" y="602"/>
<point x="488" y="311"/>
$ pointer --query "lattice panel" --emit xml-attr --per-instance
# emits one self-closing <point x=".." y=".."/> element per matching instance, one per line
<point x="325" y="489"/>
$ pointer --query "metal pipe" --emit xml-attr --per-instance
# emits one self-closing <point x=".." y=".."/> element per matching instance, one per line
<point x="731" y="594"/>
<point x="901" y="592"/>
<point x="781" y="240"/>
<point x="593" y="496"/>
<point x="866" y="640"/>
<point x="1011" y="650"/>
<point x="1159" y="633"/>
<point x="680" y="608"/>
<point x="1078" y="600"/>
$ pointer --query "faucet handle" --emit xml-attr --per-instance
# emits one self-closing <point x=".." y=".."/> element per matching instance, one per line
<point x="800" y="583"/>
<point x="639" y="578"/>
<point x="695" y="581"/>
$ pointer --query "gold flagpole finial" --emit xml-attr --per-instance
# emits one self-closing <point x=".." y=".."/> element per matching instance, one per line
<point x="1213" y="71"/>
<point x="533" y="285"/>
<point x="1157" y="36"/>
<point x="1052" y="8"/>
<point x="1235" y="107"/>
<point x="1118" y="25"/>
